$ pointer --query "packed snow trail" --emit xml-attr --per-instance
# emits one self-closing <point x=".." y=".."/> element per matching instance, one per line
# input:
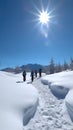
<point x="50" y="114"/>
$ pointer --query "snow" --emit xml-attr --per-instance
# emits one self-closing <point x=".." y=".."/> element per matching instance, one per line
<point x="61" y="86"/>
<point x="59" y="83"/>
<point x="17" y="99"/>
<point x="62" y="79"/>
<point x="59" y="91"/>
<point x="69" y="103"/>
<point x="44" y="104"/>
<point x="51" y="113"/>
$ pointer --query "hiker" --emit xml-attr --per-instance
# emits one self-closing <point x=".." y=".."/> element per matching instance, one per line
<point x="35" y="71"/>
<point x="32" y="76"/>
<point x="24" y="75"/>
<point x="40" y="71"/>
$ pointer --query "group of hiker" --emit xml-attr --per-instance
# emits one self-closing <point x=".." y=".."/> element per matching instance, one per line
<point x="33" y="74"/>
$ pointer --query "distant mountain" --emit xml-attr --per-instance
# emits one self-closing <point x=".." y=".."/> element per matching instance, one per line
<point x="27" y="67"/>
<point x="30" y="67"/>
<point x="8" y="69"/>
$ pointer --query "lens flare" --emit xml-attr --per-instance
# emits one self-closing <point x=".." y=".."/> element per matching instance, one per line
<point x="44" y="17"/>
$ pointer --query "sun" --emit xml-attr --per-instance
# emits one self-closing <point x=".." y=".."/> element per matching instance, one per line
<point x="44" y="17"/>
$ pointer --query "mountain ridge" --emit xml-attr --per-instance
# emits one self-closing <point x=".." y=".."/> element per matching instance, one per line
<point x="26" y="67"/>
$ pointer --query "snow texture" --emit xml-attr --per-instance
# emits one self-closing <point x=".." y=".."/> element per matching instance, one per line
<point x="51" y="113"/>
<point x="61" y="86"/>
<point x="44" y="104"/>
<point x="18" y="101"/>
<point x="69" y="103"/>
<point x="59" y="91"/>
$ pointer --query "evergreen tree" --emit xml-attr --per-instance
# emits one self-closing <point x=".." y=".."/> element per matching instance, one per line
<point x="65" y="65"/>
<point x="58" y="68"/>
<point x="51" y="66"/>
<point x="71" y="63"/>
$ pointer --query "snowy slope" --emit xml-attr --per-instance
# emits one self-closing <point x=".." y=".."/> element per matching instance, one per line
<point x="18" y="101"/>
<point x="51" y="113"/>
<point x="69" y="103"/>
<point x="64" y="78"/>
<point x="61" y="85"/>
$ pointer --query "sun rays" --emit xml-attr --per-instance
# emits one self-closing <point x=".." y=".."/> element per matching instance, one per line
<point x="43" y="16"/>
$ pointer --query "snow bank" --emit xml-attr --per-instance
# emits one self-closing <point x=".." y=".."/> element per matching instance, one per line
<point x="59" y="83"/>
<point x="69" y="103"/>
<point x="59" y="91"/>
<point x="44" y="81"/>
<point x="64" y="78"/>
<point x="18" y="101"/>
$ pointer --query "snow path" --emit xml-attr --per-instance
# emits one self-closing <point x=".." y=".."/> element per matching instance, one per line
<point x="50" y="114"/>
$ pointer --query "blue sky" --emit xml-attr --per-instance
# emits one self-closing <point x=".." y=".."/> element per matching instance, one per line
<point x="21" y="38"/>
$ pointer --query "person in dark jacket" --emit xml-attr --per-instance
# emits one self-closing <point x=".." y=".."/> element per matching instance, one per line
<point x="32" y="75"/>
<point x="40" y="71"/>
<point x="24" y="75"/>
<point x="35" y="71"/>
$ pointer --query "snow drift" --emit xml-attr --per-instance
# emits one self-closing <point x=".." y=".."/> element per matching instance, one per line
<point x="69" y="103"/>
<point x="59" y="91"/>
<point x="18" y="101"/>
<point x="61" y="86"/>
<point x="59" y="83"/>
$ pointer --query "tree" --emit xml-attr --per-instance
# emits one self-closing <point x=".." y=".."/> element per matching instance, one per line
<point x="65" y="65"/>
<point x="18" y="70"/>
<point x="58" y="68"/>
<point x="51" y="66"/>
<point x="71" y="63"/>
